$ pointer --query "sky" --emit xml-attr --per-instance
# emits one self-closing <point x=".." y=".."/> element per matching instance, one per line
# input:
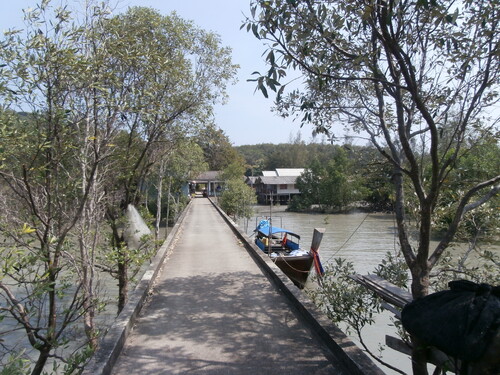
<point x="247" y="118"/>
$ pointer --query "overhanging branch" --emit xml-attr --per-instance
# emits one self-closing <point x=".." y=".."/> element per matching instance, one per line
<point x="464" y="207"/>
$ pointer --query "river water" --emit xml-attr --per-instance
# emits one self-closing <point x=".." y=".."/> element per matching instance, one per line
<point x="359" y="237"/>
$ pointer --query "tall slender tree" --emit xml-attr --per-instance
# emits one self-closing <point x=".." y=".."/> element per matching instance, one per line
<point x="45" y="193"/>
<point x="168" y="73"/>
<point x="72" y="92"/>
<point x="404" y="73"/>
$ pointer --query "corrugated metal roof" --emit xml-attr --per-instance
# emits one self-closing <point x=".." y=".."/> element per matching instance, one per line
<point x="277" y="180"/>
<point x="208" y="176"/>
<point x="289" y="171"/>
<point x="269" y="173"/>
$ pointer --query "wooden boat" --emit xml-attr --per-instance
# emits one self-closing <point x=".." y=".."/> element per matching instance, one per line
<point x="283" y="248"/>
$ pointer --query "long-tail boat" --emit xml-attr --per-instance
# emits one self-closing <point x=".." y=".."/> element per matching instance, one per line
<point x="284" y="249"/>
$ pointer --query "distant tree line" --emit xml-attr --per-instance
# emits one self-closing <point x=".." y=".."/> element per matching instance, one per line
<point x="335" y="177"/>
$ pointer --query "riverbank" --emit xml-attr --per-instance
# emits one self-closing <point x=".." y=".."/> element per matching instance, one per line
<point x="362" y="207"/>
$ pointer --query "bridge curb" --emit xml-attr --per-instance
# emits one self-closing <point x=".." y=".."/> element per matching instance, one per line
<point x="112" y="343"/>
<point x="342" y="348"/>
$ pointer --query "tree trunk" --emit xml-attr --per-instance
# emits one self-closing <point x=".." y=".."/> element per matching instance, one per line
<point x="158" y="202"/>
<point x="417" y="264"/>
<point x="88" y="295"/>
<point x="420" y="272"/>
<point x="420" y="288"/>
<point x="168" y="207"/>
<point x="122" y="280"/>
<point x="176" y="208"/>
<point x="418" y="357"/>
<point x="86" y="262"/>
<point x="41" y="361"/>
<point x="117" y="244"/>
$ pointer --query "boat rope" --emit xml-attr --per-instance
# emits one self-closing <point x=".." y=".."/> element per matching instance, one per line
<point x="349" y="238"/>
<point x="354" y="232"/>
<point x="288" y="264"/>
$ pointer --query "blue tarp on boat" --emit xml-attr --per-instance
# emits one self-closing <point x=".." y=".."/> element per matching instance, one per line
<point x="263" y="228"/>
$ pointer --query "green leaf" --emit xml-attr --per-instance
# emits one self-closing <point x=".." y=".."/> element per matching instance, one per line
<point x="27" y="229"/>
<point x="255" y="30"/>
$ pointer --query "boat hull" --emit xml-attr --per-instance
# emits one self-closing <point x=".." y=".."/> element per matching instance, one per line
<point x="297" y="268"/>
<point x="282" y="246"/>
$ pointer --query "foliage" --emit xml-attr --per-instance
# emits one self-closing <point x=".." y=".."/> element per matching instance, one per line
<point x="308" y="183"/>
<point x="184" y="160"/>
<point x="391" y="71"/>
<point x="363" y="163"/>
<point x="333" y="186"/>
<point x="293" y="156"/>
<point x="347" y="302"/>
<point x="233" y="171"/>
<point x="479" y="162"/>
<point x="375" y="175"/>
<point x="16" y="365"/>
<point x="45" y="189"/>
<point x="393" y="269"/>
<point x="89" y="107"/>
<point x="167" y="73"/>
<point x="237" y="198"/>
<point x="420" y="79"/>
<point x="344" y="300"/>
<point x="341" y="185"/>
<point x="177" y="72"/>
<point x="476" y="263"/>
<point x="219" y="152"/>
<point x="256" y="157"/>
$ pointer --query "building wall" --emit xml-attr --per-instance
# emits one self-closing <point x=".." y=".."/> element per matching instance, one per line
<point x="290" y="189"/>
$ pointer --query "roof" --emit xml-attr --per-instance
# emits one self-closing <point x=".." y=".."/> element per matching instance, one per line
<point x="282" y="172"/>
<point x="263" y="228"/>
<point x="277" y="180"/>
<point x="269" y="173"/>
<point x="208" y="176"/>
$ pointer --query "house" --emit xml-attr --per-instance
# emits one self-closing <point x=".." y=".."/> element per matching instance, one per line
<point x="290" y="172"/>
<point x="269" y="173"/>
<point x="278" y="185"/>
<point x="250" y="181"/>
<point x="209" y="182"/>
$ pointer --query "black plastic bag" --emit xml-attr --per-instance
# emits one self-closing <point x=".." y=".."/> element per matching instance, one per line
<point x="460" y="322"/>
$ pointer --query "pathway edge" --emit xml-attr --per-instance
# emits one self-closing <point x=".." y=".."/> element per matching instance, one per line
<point x="352" y="357"/>
<point x="111" y="344"/>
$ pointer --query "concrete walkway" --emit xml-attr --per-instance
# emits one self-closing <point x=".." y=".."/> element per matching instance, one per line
<point x="212" y="311"/>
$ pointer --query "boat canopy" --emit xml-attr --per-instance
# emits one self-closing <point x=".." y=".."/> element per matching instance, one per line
<point x="263" y="228"/>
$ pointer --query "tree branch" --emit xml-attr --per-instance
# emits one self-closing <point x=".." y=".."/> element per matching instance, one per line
<point x="463" y="207"/>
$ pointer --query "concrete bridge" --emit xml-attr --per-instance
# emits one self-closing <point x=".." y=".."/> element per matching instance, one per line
<point x="212" y="303"/>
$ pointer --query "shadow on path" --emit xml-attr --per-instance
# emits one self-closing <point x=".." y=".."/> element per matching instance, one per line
<point x="229" y="323"/>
